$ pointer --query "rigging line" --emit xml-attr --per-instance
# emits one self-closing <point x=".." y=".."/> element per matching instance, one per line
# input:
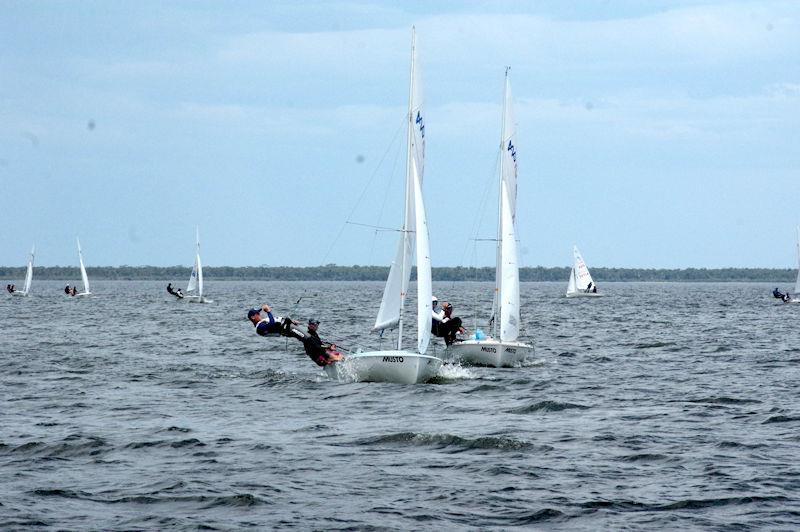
<point x="364" y="190"/>
<point x="477" y="220"/>
<point x="378" y="227"/>
<point x="385" y="199"/>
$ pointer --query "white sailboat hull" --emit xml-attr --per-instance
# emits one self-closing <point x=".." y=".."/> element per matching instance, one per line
<point x="584" y="294"/>
<point x="489" y="352"/>
<point x="19" y="293"/>
<point x="83" y="294"/>
<point x="400" y="367"/>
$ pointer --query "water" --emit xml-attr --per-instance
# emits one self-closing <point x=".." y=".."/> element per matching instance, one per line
<point x="665" y="406"/>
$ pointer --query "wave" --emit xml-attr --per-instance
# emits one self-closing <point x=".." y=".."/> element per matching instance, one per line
<point x="723" y="401"/>
<point x="211" y="501"/>
<point x="72" y="446"/>
<point x="781" y="419"/>
<point x="442" y="441"/>
<point x="546" y="406"/>
<point x="190" y="442"/>
<point x="686" y="504"/>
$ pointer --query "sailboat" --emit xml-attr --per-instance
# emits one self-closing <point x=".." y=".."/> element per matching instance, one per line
<point x="400" y="365"/>
<point x="796" y="294"/>
<point x="196" y="278"/>
<point x="502" y="350"/>
<point x="580" y="279"/>
<point x="28" y="277"/>
<point x="84" y="277"/>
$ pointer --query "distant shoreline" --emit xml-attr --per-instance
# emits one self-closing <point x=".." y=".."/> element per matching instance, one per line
<point x="378" y="273"/>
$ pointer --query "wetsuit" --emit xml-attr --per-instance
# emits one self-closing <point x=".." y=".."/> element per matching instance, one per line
<point x="66" y="289"/>
<point x="316" y="349"/>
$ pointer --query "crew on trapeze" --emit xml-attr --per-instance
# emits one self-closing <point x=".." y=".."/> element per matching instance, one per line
<point x="177" y="293"/>
<point x="591" y="289"/>
<point x="322" y="353"/>
<point x="11" y="288"/>
<point x="777" y="294"/>
<point x="443" y="324"/>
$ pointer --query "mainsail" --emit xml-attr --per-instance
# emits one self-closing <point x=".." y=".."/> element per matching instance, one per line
<point x="394" y="293"/>
<point x="506" y="300"/>
<point x="581" y="273"/>
<point x="29" y="273"/>
<point x="84" y="277"/>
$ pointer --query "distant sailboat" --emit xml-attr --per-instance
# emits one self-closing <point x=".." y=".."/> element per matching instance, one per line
<point x="796" y="294"/>
<point x="84" y="277"/>
<point x="403" y="366"/>
<point x="196" y="278"/>
<point x="506" y="350"/>
<point x="581" y="283"/>
<point x="26" y="290"/>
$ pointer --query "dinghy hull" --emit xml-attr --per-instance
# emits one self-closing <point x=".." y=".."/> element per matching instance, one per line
<point x="584" y="294"/>
<point x="489" y="352"/>
<point x="19" y="294"/>
<point x="401" y="367"/>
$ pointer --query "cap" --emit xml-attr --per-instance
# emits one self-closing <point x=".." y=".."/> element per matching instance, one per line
<point x="313" y="321"/>
<point x="434" y="299"/>
<point x="252" y="312"/>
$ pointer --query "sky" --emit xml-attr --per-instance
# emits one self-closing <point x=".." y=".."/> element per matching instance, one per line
<point x="651" y="134"/>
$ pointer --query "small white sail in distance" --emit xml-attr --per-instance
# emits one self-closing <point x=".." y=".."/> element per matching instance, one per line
<point x="580" y="272"/>
<point x="196" y="277"/>
<point x="29" y="273"/>
<point x="797" y="282"/>
<point x="84" y="277"/>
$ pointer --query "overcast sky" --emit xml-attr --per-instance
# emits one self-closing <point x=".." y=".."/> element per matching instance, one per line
<point x="651" y="133"/>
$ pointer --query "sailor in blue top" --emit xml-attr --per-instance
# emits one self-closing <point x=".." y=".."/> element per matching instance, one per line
<point x="272" y="325"/>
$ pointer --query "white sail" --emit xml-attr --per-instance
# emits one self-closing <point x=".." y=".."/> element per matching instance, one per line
<point x="196" y="268"/>
<point x="29" y="273"/>
<point x="396" y="288"/>
<point x="797" y="282"/>
<point x="199" y="267"/>
<point x="424" y="281"/>
<point x="507" y="265"/>
<point x="84" y="277"/>
<point x="509" y="287"/>
<point x="582" y="275"/>
<point x="571" y="289"/>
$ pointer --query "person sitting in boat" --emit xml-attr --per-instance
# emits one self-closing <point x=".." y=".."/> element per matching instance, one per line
<point x="10" y="288"/>
<point x="272" y="325"/>
<point x="443" y="324"/>
<point x="66" y="289"/>
<point x="73" y="291"/>
<point x="322" y="353"/>
<point x="177" y="293"/>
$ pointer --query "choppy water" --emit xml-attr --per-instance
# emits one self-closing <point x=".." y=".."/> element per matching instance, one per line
<point x="666" y="406"/>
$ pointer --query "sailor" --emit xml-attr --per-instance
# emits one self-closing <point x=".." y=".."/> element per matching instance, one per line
<point x="10" y="288"/>
<point x="66" y="289"/>
<point x="272" y="326"/>
<point x="443" y="324"/>
<point x="777" y="294"/>
<point x="73" y="291"/>
<point x="177" y="293"/>
<point x="322" y="353"/>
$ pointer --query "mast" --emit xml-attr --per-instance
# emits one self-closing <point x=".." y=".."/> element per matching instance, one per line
<point x="496" y="304"/>
<point x="407" y="207"/>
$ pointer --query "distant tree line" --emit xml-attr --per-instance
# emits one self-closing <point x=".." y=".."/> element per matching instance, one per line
<point x="332" y="272"/>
